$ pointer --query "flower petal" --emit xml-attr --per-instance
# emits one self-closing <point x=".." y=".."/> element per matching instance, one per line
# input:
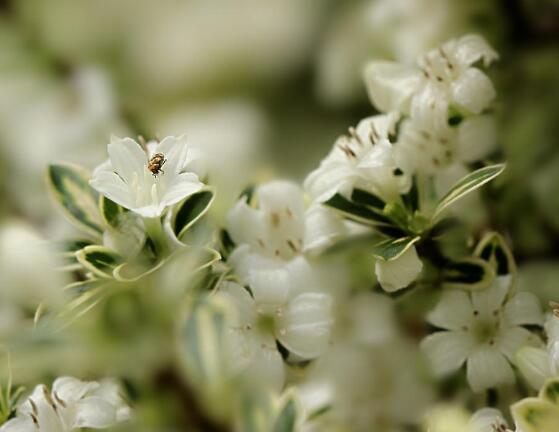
<point x="390" y="85"/>
<point x="511" y="339"/>
<point x="489" y="301"/>
<point x="175" y="150"/>
<point x="19" y="424"/>
<point x="470" y="48"/>
<point x="534" y="365"/>
<point x="241" y="300"/>
<point x="94" y="412"/>
<point x="111" y="185"/>
<point x="398" y="273"/>
<point x="447" y="351"/>
<point x="323" y="227"/>
<point x="473" y="90"/>
<point x="183" y="185"/>
<point x="304" y="327"/>
<point x="477" y="137"/>
<point x="453" y="311"/>
<point x="522" y="309"/>
<point x="127" y="158"/>
<point x="487" y="420"/>
<point x="71" y="389"/>
<point x="487" y="368"/>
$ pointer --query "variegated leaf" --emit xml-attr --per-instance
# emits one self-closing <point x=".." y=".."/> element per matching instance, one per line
<point x="101" y="261"/>
<point x="468" y="273"/>
<point x="494" y="249"/>
<point x="189" y="211"/>
<point x="393" y="248"/>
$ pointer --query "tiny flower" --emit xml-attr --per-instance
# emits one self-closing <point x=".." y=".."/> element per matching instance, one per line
<point x="364" y="159"/>
<point x="126" y="179"/>
<point x="72" y="404"/>
<point x="484" y="329"/>
<point x="488" y="420"/>
<point x="301" y="322"/>
<point x="398" y="273"/>
<point x="442" y="78"/>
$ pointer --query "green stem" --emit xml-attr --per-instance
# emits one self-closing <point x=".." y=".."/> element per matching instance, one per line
<point x="154" y="230"/>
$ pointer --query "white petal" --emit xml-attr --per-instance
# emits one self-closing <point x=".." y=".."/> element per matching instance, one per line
<point x="241" y="300"/>
<point x="111" y="185"/>
<point x="175" y="151"/>
<point x="281" y="195"/>
<point x="304" y="327"/>
<point x="270" y="288"/>
<point x="488" y="302"/>
<point x="447" y="351"/>
<point x="19" y="424"/>
<point x="485" y="419"/>
<point x="390" y="85"/>
<point x="183" y="185"/>
<point x="470" y="48"/>
<point x="323" y="227"/>
<point x="534" y="365"/>
<point x="127" y="158"/>
<point x="302" y="276"/>
<point x="487" y="368"/>
<point x="244" y="224"/>
<point x="522" y="309"/>
<point x="267" y="367"/>
<point x="477" y="137"/>
<point x="372" y="317"/>
<point x="329" y="179"/>
<point x="71" y="389"/>
<point x="399" y="273"/>
<point x="382" y="125"/>
<point x="149" y="211"/>
<point x="473" y="90"/>
<point x="95" y="412"/>
<point x="453" y="311"/>
<point x="511" y="339"/>
<point x="552" y="328"/>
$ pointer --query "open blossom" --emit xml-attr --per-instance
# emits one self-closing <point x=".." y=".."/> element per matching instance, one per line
<point x="126" y="180"/>
<point x="72" y="404"/>
<point x="483" y="328"/>
<point x="442" y="78"/>
<point x="301" y="322"/>
<point x="364" y="159"/>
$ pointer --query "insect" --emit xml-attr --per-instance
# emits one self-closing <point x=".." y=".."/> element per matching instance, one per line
<point x="155" y="164"/>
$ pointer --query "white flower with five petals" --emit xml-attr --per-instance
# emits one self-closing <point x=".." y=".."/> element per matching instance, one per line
<point x="72" y="404"/>
<point x="483" y="328"/>
<point x="126" y="180"/>
<point x="443" y="77"/>
<point x="301" y="322"/>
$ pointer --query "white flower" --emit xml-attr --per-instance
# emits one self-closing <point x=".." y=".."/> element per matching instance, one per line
<point x="488" y="420"/>
<point x="443" y="77"/>
<point x="484" y="329"/>
<point x="365" y="159"/>
<point x="279" y="226"/>
<point x="428" y="146"/>
<point x="72" y="404"/>
<point x="301" y="322"/>
<point x="125" y="179"/>
<point x="398" y="273"/>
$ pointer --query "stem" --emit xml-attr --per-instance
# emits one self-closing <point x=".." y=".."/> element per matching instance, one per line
<point x="154" y="230"/>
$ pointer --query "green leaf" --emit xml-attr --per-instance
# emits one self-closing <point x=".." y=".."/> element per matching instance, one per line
<point x="287" y="417"/>
<point x="467" y="184"/>
<point x="101" y="261"/>
<point x="494" y="249"/>
<point x="70" y="188"/>
<point x="393" y="248"/>
<point x="111" y="212"/>
<point x="191" y="210"/>
<point x="357" y="212"/>
<point x="468" y="273"/>
<point x="550" y="391"/>
<point x="365" y="198"/>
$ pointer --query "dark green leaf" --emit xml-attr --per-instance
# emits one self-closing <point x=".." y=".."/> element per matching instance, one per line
<point x="357" y="212"/>
<point x="191" y="210"/>
<point x="365" y="198"/>
<point x="100" y="260"/>
<point x="468" y="273"/>
<point x="393" y="248"/>
<point x="494" y="249"/>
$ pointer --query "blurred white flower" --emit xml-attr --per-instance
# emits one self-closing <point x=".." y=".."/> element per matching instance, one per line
<point x="484" y="329"/>
<point x="365" y="159"/>
<point x="398" y="273"/>
<point x="488" y="420"/>
<point x="300" y="322"/>
<point x="126" y="180"/>
<point x="444" y="77"/>
<point x="29" y="275"/>
<point x="72" y="404"/>
<point x="280" y="227"/>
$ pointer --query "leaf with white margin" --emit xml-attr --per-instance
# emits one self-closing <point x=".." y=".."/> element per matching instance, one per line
<point x="539" y="414"/>
<point x="494" y="249"/>
<point x="393" y="248"/>
<point x="468" y="184"/>
<point x="100" y="260"/>
<point x="286" y="420"/>
<point x="468" y="273"/>
<point x="190" y="210"/>
<point x="69" y="186"/>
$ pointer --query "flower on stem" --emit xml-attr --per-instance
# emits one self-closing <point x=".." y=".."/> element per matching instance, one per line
<point x="364" y="159"/>
<point x="483" y="328"/>
<point x="72" y="404"/>
<point x="126" y="179"/>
